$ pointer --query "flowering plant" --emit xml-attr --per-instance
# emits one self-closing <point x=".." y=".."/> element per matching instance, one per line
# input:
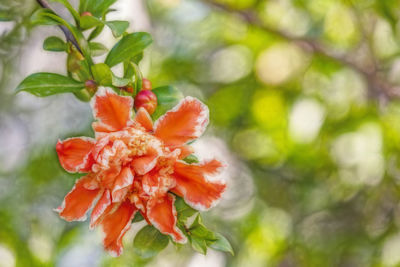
<point x="134" y="169"/>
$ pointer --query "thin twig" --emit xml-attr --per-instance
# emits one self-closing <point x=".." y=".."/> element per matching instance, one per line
<point x="374" y="80"/>
<point x="68" y="34"/>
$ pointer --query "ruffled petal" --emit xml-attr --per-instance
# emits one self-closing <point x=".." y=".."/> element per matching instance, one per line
<point x="161" y="213"/>
<point x="78" y="201"/>
<point x="115" y="224"/>
<point x="74" y="154"/>
<point x="193" y="185"/>
<point x="156" y="184"/>
<point x="100" y="208"/>
<point x="144" y="164"/>
<point x="143" y="118"/>
<point x="187" y="121"/>
<point x="122" y="184"/>
<point x="185" y="151"/>
<point x="112" y="111"/>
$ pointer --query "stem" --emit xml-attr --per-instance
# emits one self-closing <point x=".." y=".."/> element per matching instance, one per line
<point x="68" y="35"/>
<point x="376" y="83"/>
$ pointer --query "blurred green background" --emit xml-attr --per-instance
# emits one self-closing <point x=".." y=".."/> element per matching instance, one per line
<point x="304" y="108"/>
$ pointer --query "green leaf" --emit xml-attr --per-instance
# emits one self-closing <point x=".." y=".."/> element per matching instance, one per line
<point x="199" y="230"/>
<point x="96" y="32"/>
<point x="119" y="82"/>
<point x="221" y="244"/>
<point x="46" y="84"/>
<point x="117" y="27"/>
<point x="54" y="44"/>
<point x="167" y="98"/>
<point x="129" y="46"/>
<point x="149" y="242"/>
<point x="87" y="22"/>
<point x="102" y="74"/>
<point x="191" y="159"/>
<point x="70" y="8"/>
<point x="138" y="217"/>
<point x="97" y="7"/>
<point x="97" y="49"/>
<point x="40" y="17"/>
<point x="47" y="17"/>
<point x="136" y="59"/>
<point x="184" y="210"/>
<point x="198" y="244"/>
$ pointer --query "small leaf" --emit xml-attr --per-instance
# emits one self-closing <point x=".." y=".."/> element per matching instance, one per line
<point x="198" y="244"/>
<point x="199" y="230"/>
<point x="117" y="27"/>
<point x="96" y="32"/>
<point x="184" y="210"/>
<point x="46" y="84"/>
<point x="87" y="22"/>
<point x="191" y="159"/>
<point x="138" y="217"/>
<point x="40" y="17"/>
<point x="54" y="44"/>
<point x="167" y="98"/>
<point x="221" y="244"/>
<point x="119" y="82"/>
<point x="102" y="74"/>
<point x="129" y="46"/>
<point x="97" y="7"/>
<point x="97" y="49"/>
<point x="149" y="242"/>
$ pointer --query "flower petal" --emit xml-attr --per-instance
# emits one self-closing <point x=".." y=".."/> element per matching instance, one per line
<point x="114" y="226"/>
<point x="74" y="154"/>
<point x="185" y="122"/>
<point x="161" y="213"/>
<point x="144" y="164"/>
<point x="78" y="201"/>
<point x="121" y="185"/>
<point x="144" y="119"/>
<point x="100" y="208"/>
<point x="194" y="187"/>
<point x="113" y="111"/>
<point x="185" y="151"/>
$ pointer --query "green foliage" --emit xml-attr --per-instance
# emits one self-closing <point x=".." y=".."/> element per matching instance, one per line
<point x="54" y="44"/>
<point x="97" y="49"/>
<point x="221" y="244"/>
<point x="128" y="47"/>
<point x="117" y="27"/>
<point x="46" y="84"/>
<point x="191" y="159"/>
<point x="98" y="8"/>
<point x="149" y="242"/>
<point x="184" y="210"/>
<point x="167" y="97"/>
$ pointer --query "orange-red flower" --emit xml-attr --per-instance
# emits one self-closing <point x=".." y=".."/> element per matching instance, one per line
<point x="135" y="166"/>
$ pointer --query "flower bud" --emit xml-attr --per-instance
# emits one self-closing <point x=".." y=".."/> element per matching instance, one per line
<point x="146" y="84"/>
<point x="86" y="13"/>
<point x="128" y="89"/>
<point x="146" y="99"/>
<point x="91" y="86"/>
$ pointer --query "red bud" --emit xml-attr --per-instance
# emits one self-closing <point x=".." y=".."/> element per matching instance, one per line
<point x="91" y="86"/>
<point x="146" y="84"/>
<point x="146" y="99"/>
<point x="86" y="13"/>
